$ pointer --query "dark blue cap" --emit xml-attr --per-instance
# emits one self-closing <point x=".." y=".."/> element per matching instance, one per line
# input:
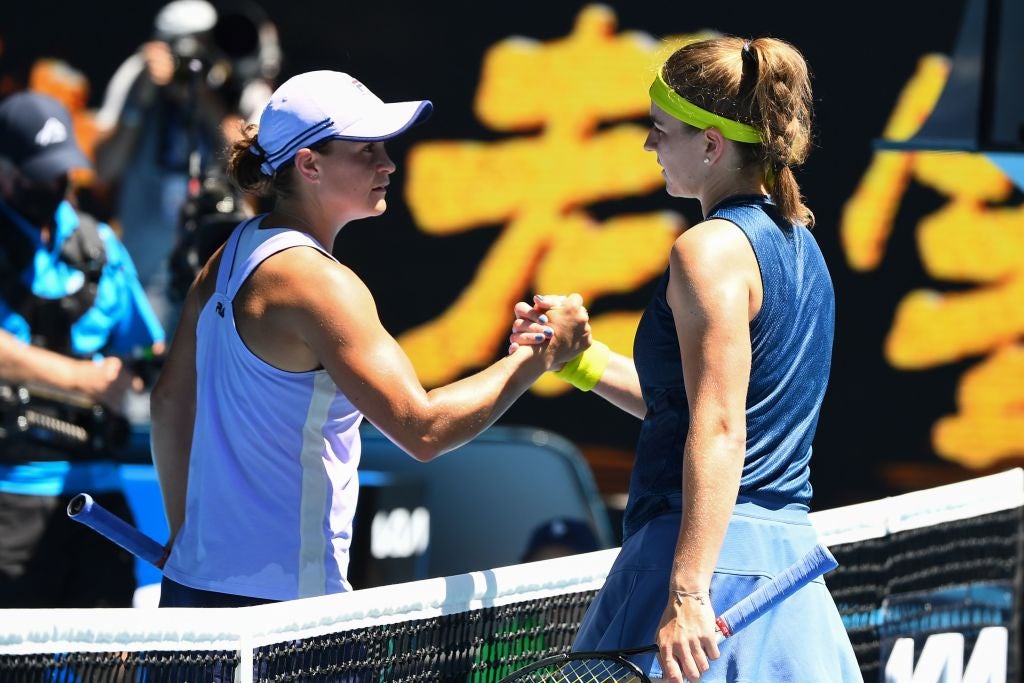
<point x="574" y="534"/>
<point x="36" y="134"/>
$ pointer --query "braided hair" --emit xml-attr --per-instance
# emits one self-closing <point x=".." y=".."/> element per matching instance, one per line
<point x="764" y="83"/>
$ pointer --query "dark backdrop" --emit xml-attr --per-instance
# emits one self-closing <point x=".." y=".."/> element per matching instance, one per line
<point x="876" y="421"/>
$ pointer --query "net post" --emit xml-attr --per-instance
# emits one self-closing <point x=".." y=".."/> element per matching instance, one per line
<point x="244" y="672"/>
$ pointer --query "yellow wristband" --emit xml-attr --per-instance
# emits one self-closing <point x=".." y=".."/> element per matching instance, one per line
<point x="585" y="370"/>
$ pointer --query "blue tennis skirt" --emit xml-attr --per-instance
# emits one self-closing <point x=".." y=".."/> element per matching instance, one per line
<point x="802" y="640"/>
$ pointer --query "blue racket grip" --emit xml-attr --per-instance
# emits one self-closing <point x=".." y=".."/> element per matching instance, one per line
<point x="84" y="509"/>
<point x="812" y="565"/>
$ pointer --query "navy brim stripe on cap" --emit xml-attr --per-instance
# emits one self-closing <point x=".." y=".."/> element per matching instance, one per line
<point x="316" y="132"/>
<point x="295" y="143"/>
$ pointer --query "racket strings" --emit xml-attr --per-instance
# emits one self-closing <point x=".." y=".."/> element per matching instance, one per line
<point x="589" y="670"/>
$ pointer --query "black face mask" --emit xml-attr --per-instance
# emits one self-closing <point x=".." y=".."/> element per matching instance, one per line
<point x="38" y="202"/>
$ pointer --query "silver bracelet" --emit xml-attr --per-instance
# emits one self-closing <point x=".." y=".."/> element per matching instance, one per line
<point x="695" y="595"/>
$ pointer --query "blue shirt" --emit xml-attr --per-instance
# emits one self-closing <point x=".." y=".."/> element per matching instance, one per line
<point x="119" y="323"/>
<point x="791" y="346"/>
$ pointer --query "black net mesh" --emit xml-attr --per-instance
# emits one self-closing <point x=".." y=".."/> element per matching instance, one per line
<point x="983" y="549"/>
<point x="119" y="667"/>
<point x="962" y="575"/>
<point x="478" y="646"/>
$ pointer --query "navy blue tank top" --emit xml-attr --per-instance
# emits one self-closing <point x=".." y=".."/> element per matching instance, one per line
<point x="791" y="343"/>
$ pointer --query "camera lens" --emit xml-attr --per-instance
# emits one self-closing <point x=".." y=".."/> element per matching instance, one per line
<point x="187" y="47"/>
<point x="237" y="35"/>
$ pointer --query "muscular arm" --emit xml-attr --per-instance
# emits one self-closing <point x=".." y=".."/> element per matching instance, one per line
<point x="709" y="296"/>
<point x="713" y="271"/>
<point x="337" y="320"/>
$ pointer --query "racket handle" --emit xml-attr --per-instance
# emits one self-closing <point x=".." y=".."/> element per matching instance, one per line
<point x="812" y="565"/>
<point x="84" y="509"/>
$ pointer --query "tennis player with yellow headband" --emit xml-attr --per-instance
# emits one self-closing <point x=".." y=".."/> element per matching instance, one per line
<point x="730" y="364"/>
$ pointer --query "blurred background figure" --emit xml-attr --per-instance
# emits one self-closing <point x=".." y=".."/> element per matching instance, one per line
<point x="560" y="537"/>
<point x="166" y="117"/>
<point x="70" y="87"/>
<point x="23" y="66"/>
<point x="72" y="311"/>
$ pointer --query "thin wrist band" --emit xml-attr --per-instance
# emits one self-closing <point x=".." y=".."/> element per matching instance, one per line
<point x="699" y="596"/>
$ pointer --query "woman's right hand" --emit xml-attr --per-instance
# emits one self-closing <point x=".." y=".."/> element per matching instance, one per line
<point x="570" y="325"/>
<point x="530" y="326"/>
<point x="686" y="639"/>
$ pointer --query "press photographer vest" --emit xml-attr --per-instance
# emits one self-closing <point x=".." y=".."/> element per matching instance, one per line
<point x="37" y="422"/>
<point x="50" y="320"/>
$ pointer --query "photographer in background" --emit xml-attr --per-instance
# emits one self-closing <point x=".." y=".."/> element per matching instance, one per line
<point x="207" y="219"/>
<point x="71" y="307"/>
<point x="167" y="115"/>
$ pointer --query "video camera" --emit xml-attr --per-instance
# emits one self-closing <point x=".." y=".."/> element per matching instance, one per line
<point x="206" y="221"/>
<point x="192" y="55"/>
<point x="42" y="423"/>
<point x="236" y="48"/>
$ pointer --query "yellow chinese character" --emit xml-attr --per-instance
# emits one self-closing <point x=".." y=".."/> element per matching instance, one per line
<point x="971" y="239"/>
<point x="555" y="95"/>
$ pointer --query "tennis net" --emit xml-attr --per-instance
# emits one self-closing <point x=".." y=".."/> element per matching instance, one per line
<point x="914" y="570"/>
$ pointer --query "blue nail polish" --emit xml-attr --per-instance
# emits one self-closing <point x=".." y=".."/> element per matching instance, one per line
<point x="538" y="337"/>
<point x="539" y="297"/>
<point x="549" y="332"/>
<point x="543" y="318"/>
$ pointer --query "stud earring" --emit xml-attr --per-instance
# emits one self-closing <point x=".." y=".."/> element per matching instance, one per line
<point x="707" y="161"/>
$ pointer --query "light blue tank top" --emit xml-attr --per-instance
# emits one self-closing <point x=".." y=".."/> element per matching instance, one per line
<point x="272" y="483"/>
<point x="791" y="343"/>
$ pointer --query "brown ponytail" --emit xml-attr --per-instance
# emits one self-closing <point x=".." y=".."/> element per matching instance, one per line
<point x="244" y="161"/>
<point x="246" y="156"/>
<point x="782" y="96"/>
<point x="763" y="83"/>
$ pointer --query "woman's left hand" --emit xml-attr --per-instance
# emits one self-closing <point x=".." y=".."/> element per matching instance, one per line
<point x="687" y="639"/>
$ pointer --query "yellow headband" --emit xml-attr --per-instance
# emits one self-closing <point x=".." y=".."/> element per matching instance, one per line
<point x="679" y="107"/>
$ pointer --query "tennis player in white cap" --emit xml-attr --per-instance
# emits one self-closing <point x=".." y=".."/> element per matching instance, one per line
<point x="280" y="354"/>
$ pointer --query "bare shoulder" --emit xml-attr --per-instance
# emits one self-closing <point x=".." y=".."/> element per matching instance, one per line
<point x="713" y="240"/>
<point x="714" y="248"/>
<point x="307" y="276"/>
<point x="713" y="262"/>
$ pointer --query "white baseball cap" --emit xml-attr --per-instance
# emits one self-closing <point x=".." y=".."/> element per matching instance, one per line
<point x="184" y="17"/>
<point x="328" y="104"/>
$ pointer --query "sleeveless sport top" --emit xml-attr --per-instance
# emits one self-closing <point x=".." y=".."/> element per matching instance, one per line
<point x="791" y="341"/>
<point x="272" y="483"/>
